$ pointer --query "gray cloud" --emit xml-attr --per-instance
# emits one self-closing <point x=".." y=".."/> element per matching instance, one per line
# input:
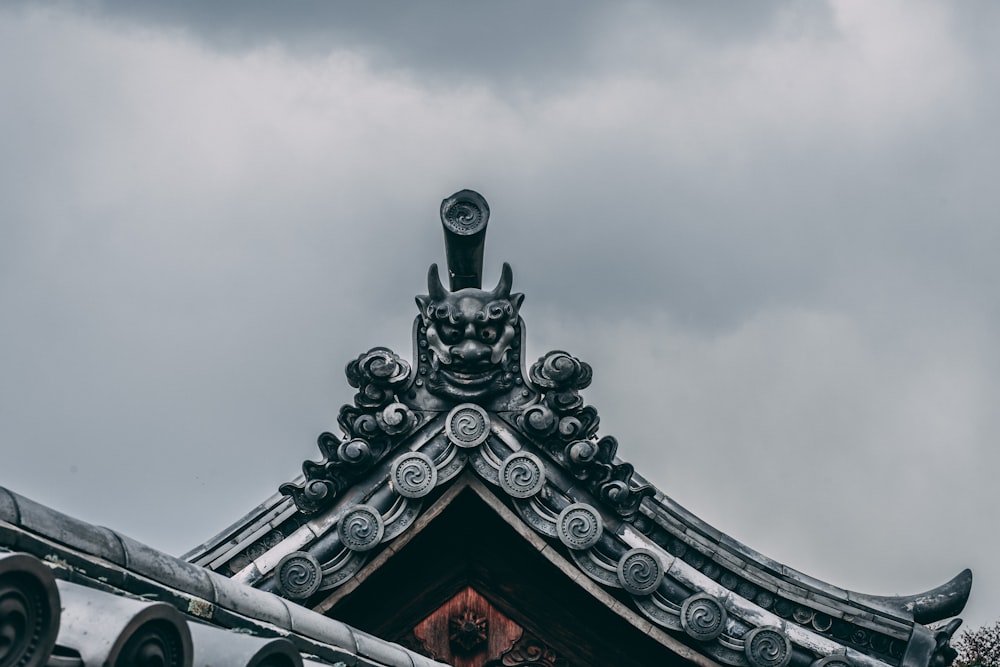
<point x="771" y="235"/>
<point x="521" y="43"/>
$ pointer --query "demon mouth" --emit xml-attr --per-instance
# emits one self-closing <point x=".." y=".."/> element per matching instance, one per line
<point x="466" y="378"/>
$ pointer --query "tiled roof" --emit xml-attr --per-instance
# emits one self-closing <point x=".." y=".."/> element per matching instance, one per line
<point x="72" y="593"/>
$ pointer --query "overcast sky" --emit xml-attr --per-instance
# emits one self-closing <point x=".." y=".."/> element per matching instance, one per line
<point x="770" y="228"/>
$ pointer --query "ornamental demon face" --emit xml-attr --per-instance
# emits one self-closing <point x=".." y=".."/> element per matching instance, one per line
<point x="469" y="336"/>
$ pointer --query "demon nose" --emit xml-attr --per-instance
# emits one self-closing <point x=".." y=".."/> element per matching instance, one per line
<point x="471" y="352"/>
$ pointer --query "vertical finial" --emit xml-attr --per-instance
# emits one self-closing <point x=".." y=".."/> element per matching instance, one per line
<point x="464" y="216"/>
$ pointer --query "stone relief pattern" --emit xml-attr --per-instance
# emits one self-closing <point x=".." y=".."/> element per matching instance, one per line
<point x="255" y="550"/>
<point x="766" y="647"/>
<point x="579" y="526"/>
<point x="373" y="426"/>
<point x="529" y="652"/>
<point x="521" y="475"/>
<point x="640" y="572"/>
<point x="566" y="429"/>
<point x="703" y="617"/>
<point x="299" y="575"/>
<point x="413" y="475"/>
<point x="467" y="631"/>
<point x="361" y="528"/>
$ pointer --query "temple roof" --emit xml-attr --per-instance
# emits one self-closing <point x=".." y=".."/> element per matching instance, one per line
<point x="469" y="413"/>
<point x="74" y="595"/>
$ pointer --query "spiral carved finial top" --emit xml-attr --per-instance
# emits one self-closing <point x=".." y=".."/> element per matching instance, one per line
<point x="465" y="212"/>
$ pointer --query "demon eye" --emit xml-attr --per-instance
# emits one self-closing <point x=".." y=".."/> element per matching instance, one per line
<point x="489" y="334"/>
<point x="449" y="334"/>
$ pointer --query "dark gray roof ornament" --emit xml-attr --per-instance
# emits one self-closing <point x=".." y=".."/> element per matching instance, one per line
<point x="469" y="348"/>
<point x="115" y="630"/>
<point x="469" y="407"/>
<point x="464" y="216"/>
<point x="29" y="610"/>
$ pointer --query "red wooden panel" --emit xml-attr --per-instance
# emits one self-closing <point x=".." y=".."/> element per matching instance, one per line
<point x="467" y="631"/>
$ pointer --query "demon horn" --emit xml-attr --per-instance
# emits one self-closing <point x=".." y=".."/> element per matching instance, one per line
<point x="435" y="289"/>
<point x="502" y="290"/>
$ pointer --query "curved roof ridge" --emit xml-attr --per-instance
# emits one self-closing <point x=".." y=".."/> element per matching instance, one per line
<point x="935" y="604"/>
